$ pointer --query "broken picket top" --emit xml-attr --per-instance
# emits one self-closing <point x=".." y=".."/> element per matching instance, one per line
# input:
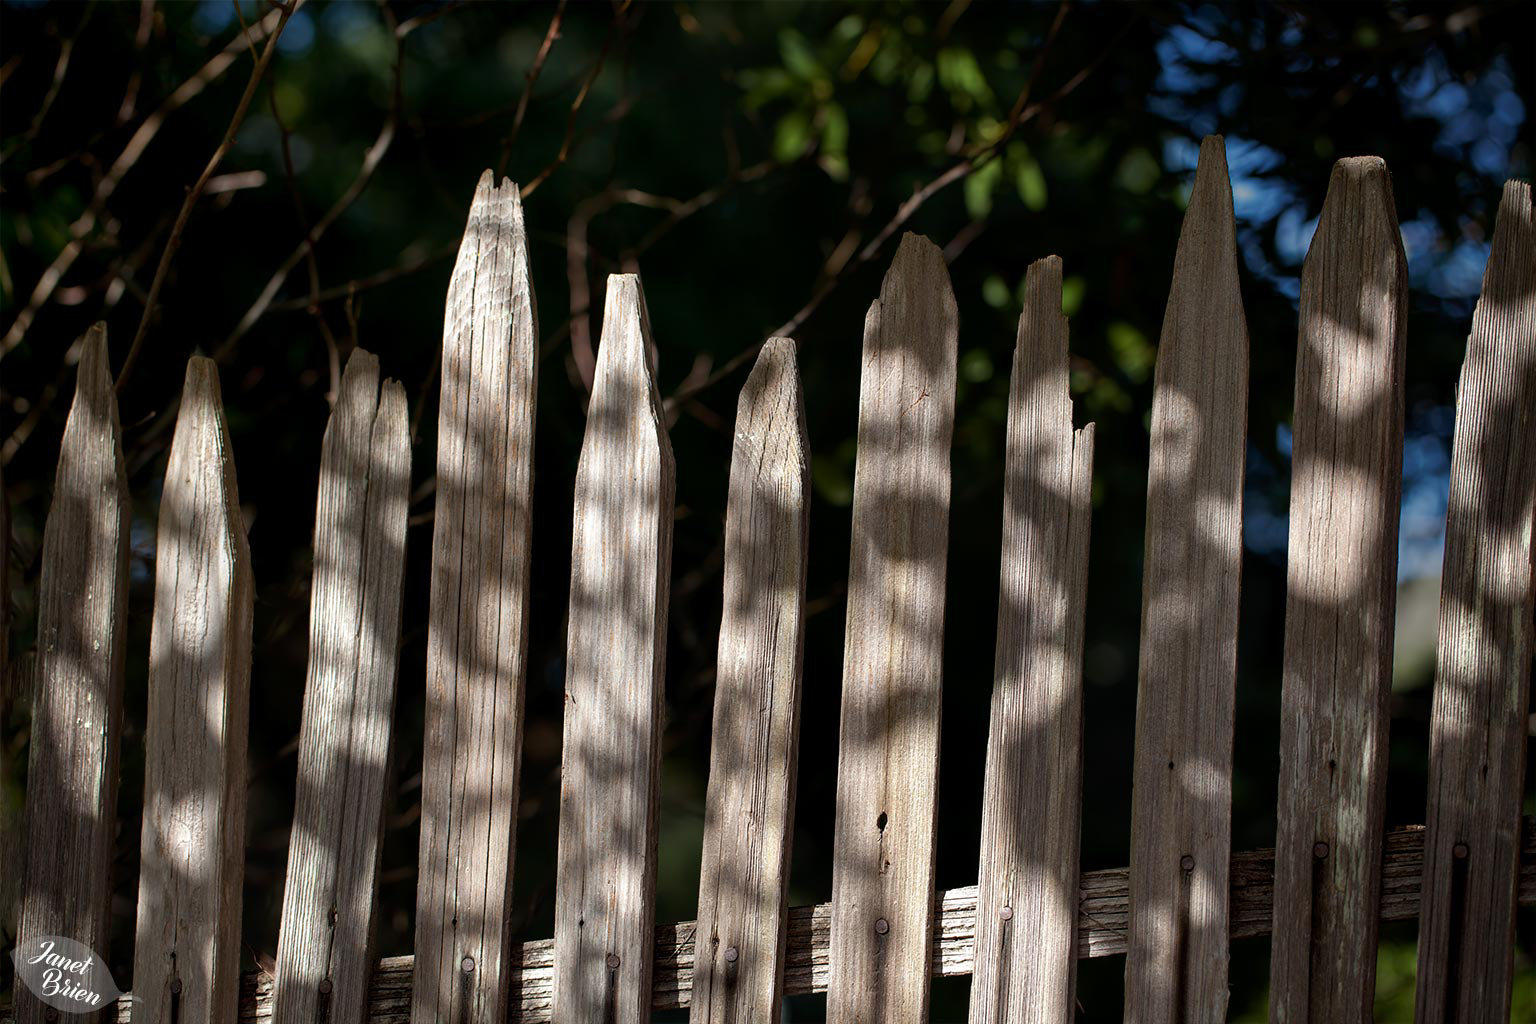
<point x="477" y="632"/>
<point x="888" y="752"/>
<point x="749" y="817"/>
<point x="1026" y="902"/>
<point x="1181" y="818"/>
<point x="1482" y="678"/>
<point x="325" y="949"/>
<point x="77" y="711"/>
<point x="621" y="553"/>
<point x="1341" y="595"/>
<point x="186" y="959"/>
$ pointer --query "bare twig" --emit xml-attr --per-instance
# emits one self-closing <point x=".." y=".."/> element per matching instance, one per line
<point x="129" y="156"/>
<point x="1022" y="113"/>
<point x="60" y="69"/>
<point x="174" y="242"/>
<point x="550" y="35"/>
<point x="362" y="284"/>
<point x="371" y="161"/>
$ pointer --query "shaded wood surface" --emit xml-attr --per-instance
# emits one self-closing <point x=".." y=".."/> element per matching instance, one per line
<point x="1103" y="917"/>
<point x="1341" y="591"/>
<point x="888" y="750"/>
<point x="1031" y="814"/>
<point x="1483" y="675"/>
<point x="478" y="622"/>
<point x="1181" y="814"/>
<point x="77" y="704"/>
<point x="186" y="958"/>
<point x="324" y="950"/>
<point x="749" y="807"/>
<point x="621" y="553"/>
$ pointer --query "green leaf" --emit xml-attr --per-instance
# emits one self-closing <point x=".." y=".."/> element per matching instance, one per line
<point x="1133" y="354"/>
<point x="797" y="55"/>
<point x="1030" y="181"/>
<point x="1072" y="291"/>
<point x="834" y="130"/>
<point x="1139" y="171"/>
<point x="790" y="135"/>
<point x="978" y="189"/>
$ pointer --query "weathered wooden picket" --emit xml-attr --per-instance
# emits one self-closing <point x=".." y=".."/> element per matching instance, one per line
<point x="1336" y="872"/>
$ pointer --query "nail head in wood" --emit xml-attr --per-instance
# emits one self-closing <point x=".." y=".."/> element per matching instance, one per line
<point x="1319" y="850"/>
<point x="1006" y="913"/>
<point x="468" y="965"/>
<point x="882" y="926"/>
<point x="613" y="961"/>
<point x="1460" y="851"/>
<point x="731" y="954"/>
<point x="325" y="986"/>
<point x="1187" y="863"/>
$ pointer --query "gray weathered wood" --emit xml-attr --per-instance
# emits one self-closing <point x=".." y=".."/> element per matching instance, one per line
<point x="186" y="957"/>
<point x="1103" y="916"/>
<point x="478" y="622"/>
<point x="1031" y="812"/>
<point x="1181" y="817"/>
<point x="1483" y="678"/>
<point x="71" y="817"/>
<point x="888" y="755"/>
<point x="621" y="553"/>
<point x="324" y="951"/>
<point x="749" y="809"/>
<point x="1341" y="591"/>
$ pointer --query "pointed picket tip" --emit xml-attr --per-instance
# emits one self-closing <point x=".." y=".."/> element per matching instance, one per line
<point x="1213" y="182"/>
<point x="770" y="416"/>
<point x="1040" y="367"/>
<point x="1359" y="197"/>
<point x="917" y="285"/>
<point x="94" y="376"/>
<point x="625" y="352"/>
<point x="1510" y="276"/>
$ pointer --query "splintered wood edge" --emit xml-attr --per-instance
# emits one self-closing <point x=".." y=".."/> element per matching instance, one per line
<point x="1103" y="901"/>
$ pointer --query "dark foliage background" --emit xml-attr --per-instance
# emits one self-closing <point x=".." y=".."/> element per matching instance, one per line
<point x="752" y="160"/>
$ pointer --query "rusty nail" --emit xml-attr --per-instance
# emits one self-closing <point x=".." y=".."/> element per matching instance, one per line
<point x="1319" y="850"/>
<point x="325" y="986"/>
<point x="1187" y="863"/>
<point x="613" y="961"/>
<point x="468" y="964"/>
<point x="175" y="986"/>
<point x="1460" y="851"/>
<point x="882" y="925"/>
<point x="731" y="954"/>
<point x="51" y="1014"/>
<point x="1006" y="913"/>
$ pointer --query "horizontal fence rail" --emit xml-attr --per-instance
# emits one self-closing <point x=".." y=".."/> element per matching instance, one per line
<point x="1102" y="923"/>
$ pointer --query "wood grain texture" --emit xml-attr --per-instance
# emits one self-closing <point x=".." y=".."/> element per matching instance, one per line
<point x="888" y="754"/>
<point x="1181" y="817"/>
<point x="186" y="956"/>
<point x="324" y="950"/>
<point x="77" y="707"/>
<point x="477" y="629"/>
<point x="1341" y="591"/>
<point x="621" y="555"/>
<point x="1103" y="918"/>
<point x="749" y="808"/>
<point x="1031" y="812"/>
<point x="1483" y="675"/>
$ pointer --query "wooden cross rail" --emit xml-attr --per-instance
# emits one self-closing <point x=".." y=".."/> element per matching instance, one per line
<point x="1103" y="906"/>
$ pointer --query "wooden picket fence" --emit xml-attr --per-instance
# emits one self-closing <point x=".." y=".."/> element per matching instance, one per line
<point x="1336" y="872"/>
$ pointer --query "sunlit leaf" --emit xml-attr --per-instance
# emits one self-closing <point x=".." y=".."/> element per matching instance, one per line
<point x="790" y="135"/>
